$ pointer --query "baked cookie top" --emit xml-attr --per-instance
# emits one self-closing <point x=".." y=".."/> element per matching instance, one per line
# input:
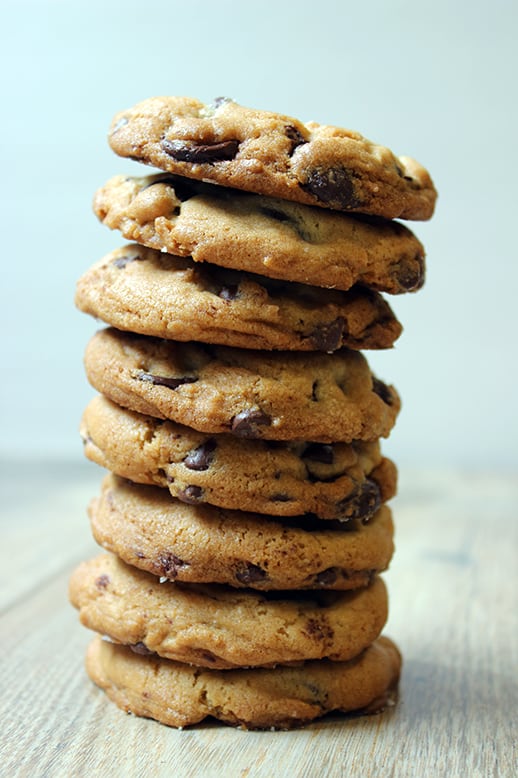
<point x="148" y="529"/>
<point x="273" y="154"/>
<point x="341" y="481"/>
<point x="278" y="395"/>
<point x="271" y="237"/>
<point x="152" y="293"/>
<point x="281" y="698"/>
<point x="221" y="627"/>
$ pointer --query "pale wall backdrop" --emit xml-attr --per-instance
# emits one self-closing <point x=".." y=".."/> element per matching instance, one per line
<point x="435" y="80"/>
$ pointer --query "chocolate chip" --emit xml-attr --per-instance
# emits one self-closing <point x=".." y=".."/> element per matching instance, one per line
<point x="183" y="188"/>
<point x="190" y="151"/>
<point x="141" y="648"/>
<point x="281" y="497"/>
<point x="296" y="137"/>
<point x="102" y="581"/>
<point x="219" y="101"/>
<point x="319" y="452"/>
<point x="170" y="383"/>
<point x="251" y="573"/>
<point x="246" y="422"/>
<point x="201" y="458"/>
<point x="169" y="565"/>
<point x="319" y="629"/>
<point x="382" y="390"/>
<point x="411" y="274"/>
<point x="327" y="577"/>
<point x="121" y="262"/>
<point x="363" y="504"/>
<point x="208" y="657"/>
<point x="332" y="186"/>
<point x="328" y="337"/>
<point x="314" y="390"/>
<point x="191" y="494"/>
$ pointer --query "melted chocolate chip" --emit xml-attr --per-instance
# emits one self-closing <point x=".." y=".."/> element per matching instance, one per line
<point x="250" y="574"/>
<point x="363" y="504"/>
<point x="281" y="497"/>
<point x="208" y="657"/>
<point x="296" y="137"/>
<point x="332" y="186"/>
<point x="170" y="383"/>
<point x="219" y="101"/>
<point x="191" y="494"/>
<point x="141" y="648"/>
<point x="327" y="577"/>
<point x="382" y="390"/>
<point x="184" y="189"/>
<point x="190" y="151"/>
<point x="246" y="422"/>
<point x="314" y="390"/>
<point x="201" y="458"/>
<point x="169" y="565"/>
<point x="319" y="629"/>
<point x="328" y="337"/>
<point x="319" y="452"/>
<point x="102" y="581"/>
<point x="121" y="262"/>
<point x="411" y="274"/>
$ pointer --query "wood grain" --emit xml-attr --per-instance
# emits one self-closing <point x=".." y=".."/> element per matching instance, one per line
<point x="452" y="584"/>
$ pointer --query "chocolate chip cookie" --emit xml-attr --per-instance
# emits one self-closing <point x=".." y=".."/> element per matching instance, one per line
<point x="273" y="154"/>
<point x="279" y="395"/>
<point x="149" y="529"/>
<point x="222" y="627"/>
<point x="179" y="695"/>
<point x="333" y="481"/>
<point x="152" y="293"/>
<point x="271" y="237"/>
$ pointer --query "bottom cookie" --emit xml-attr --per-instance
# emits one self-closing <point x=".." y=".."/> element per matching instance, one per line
<point x="180" y="695"/>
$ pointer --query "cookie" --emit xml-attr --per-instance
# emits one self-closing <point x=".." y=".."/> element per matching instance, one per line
<point x="267" y="236"/>
<point x="273" y="154"/>
<point x="179" y="695"/>
<point x="222" y="627"/>
<point x="341" y="481"/>
<point x="278" y="395"/>
<point x="148" y="529"/>
<point x="151" y="293"/>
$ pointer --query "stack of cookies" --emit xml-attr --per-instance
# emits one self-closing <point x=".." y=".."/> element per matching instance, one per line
<point x="244" y="519"/>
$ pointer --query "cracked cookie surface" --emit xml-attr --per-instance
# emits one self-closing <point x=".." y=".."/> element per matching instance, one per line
<point x="148" y="529"/>
<point x="254" y="394"/>
<point x="340" y="481"/>
<point x="271" y="237"/>
<point x="273" y="154"/>
<point x="148" y="292"/>
<point x="285" y="697"/>
<point x="222" y="627"/>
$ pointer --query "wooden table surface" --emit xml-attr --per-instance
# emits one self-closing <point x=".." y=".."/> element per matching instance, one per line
<point x="453" y="585"/>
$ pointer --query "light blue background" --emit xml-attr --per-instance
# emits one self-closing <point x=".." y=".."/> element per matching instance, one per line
<point x="435" y="80"/>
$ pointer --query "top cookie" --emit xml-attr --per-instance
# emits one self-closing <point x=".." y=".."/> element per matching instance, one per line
<point x="273" y="154"/>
